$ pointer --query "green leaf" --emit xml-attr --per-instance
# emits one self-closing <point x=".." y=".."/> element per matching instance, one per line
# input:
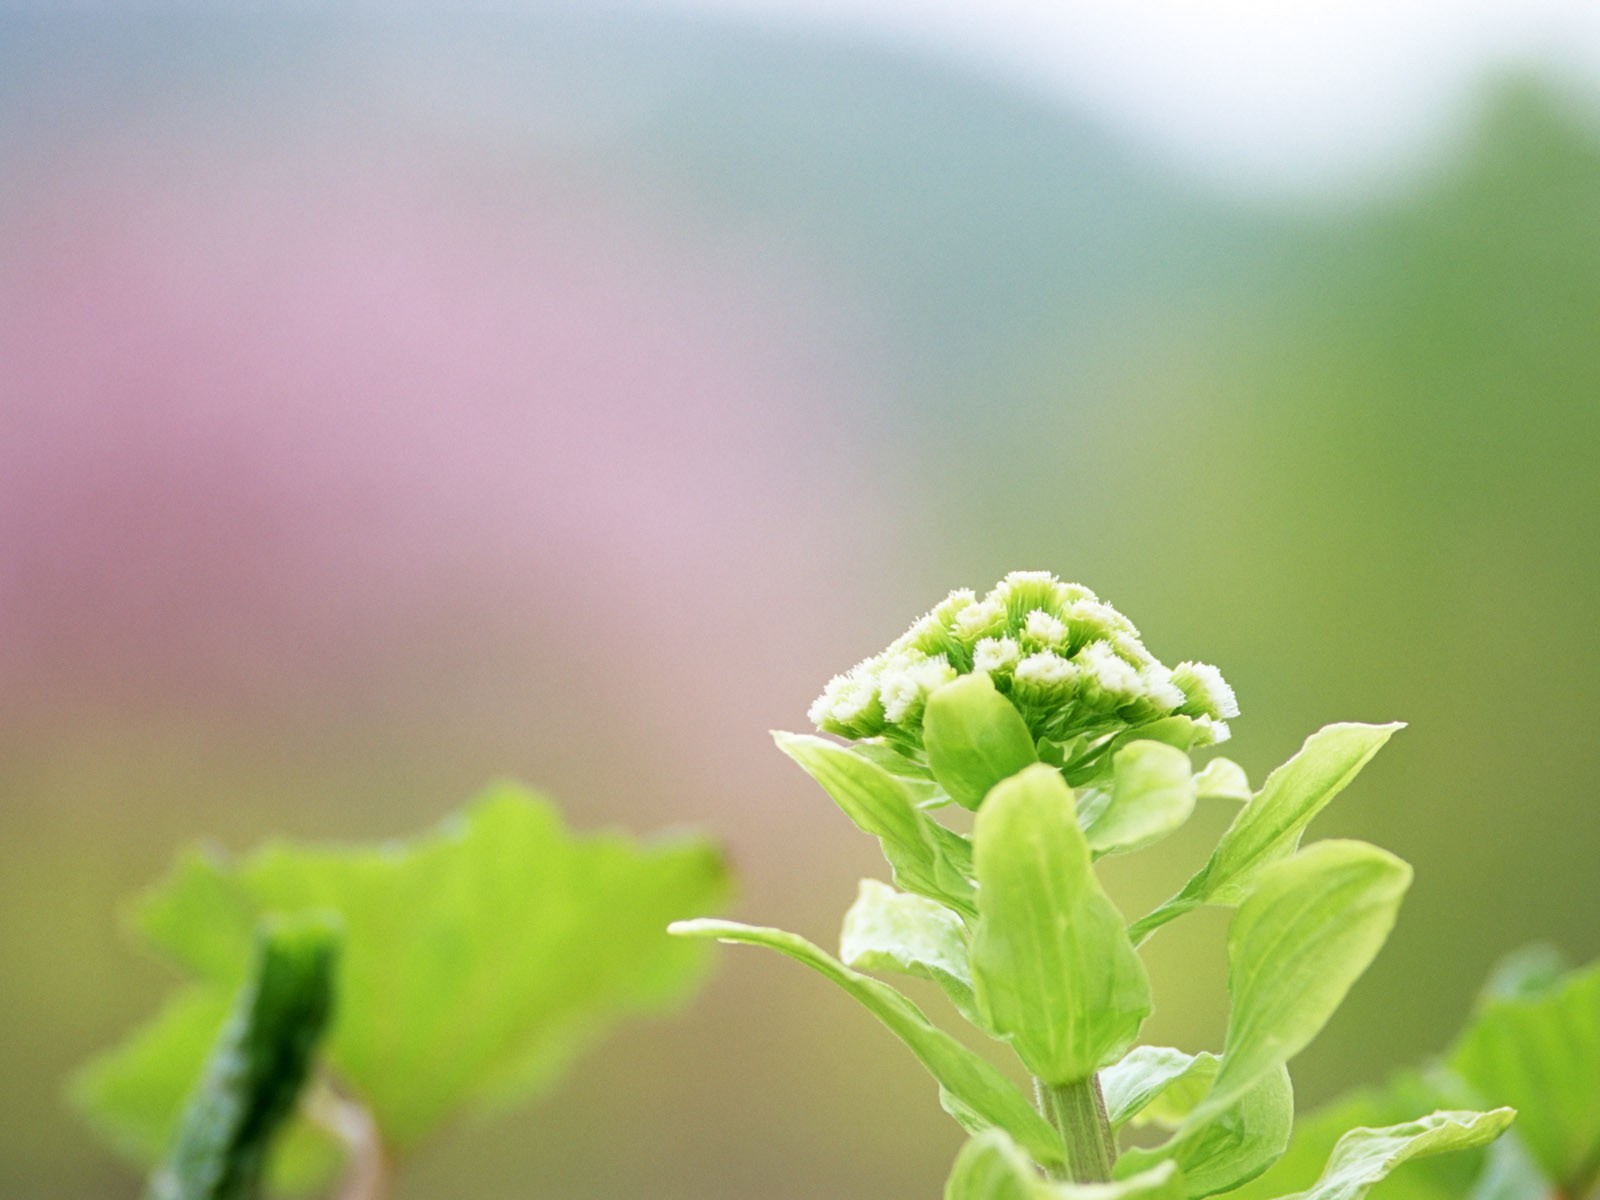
<point x="1152" y="794"/>
<point x="886" y="930"/>
<point x="134" y="1094"/>
<point x="1173" y="1106"/>
<point x="1542" y="1057"/>
<point x="912" y="773"/>
<point x="991" y="1167"/>
<point x="1509" y="1173"/>
<point x="1221" y="1149"/>
<point x="1311" y="927"/>
<point x="1527" y="974"/>
<point x="1364" y="1157"/>
<point x="983" y="1097"/>
<point x="926" y="858"/>
<point x="1269" y="827"/>
<point x="1052" y="966"/>
<point x="1222" y="779"/>
<point x="480" y="958"/>
<point x="974" y="737"/>
<point x="1156" y="1085"/>
<point x="1403" y="1098"/>
<point x="255" y="1073"/>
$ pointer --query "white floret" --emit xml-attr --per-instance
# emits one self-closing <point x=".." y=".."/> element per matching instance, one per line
<point x="1132" y="651"/>
<point x="1014" y="578"/>
<point x="995" y="654"/>
<point x="903" y="688"/>
<point x="977" y="620"/>
<point x="1156" y="682"/>
<point x="845" y="699"/>
<point x="1046" y="672"/>
<point x="1207" y="689"/>
<point x="1094" y="619"/>
<point x="1110" y="673"/>
<point x="1044" y="629"/>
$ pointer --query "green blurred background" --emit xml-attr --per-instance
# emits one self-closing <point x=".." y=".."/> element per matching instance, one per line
<point x="391" y="405"/>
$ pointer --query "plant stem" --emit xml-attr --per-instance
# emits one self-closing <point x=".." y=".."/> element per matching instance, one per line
<point x="1078" y="1112"/>
<point x="367" y="1166"/>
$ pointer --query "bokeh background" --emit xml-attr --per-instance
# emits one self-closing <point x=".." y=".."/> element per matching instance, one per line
<point x="393" y="403"/>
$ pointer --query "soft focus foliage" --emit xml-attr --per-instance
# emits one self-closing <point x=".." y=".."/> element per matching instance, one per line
<point x="254" y="1076"/>
<point x="477" y="961"/>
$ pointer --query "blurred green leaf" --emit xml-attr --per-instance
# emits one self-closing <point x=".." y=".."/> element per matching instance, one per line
<point x="1508" y="1173"/>
<point x="1404" y="1098"/>
<point x="1541" y="1056"/>
<point x="982" y="1096"/>
<point x="926" y="858"/>
<point x="1269" y="827"/>
<point x="1311" y="927"/>
<point x="134" y="1093"/>
<point x="991" y="1167"/>
<point x="1152" y="794"/>
<point x="1051" y="962"/>
<point x="1364" y="1157"/>
<point x="974" y="737"/>
<point x="255" y="1073"/>
<point x="1526" y="974"/>
<point x="886" y="930"/>
<point x="479" y="959"/>
<point x="1219" y="1149"/>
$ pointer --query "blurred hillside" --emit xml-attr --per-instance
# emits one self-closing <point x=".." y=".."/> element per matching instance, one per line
<point x="394" y="405"/>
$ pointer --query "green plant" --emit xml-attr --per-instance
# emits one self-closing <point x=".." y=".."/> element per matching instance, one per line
<point x="463" y="968"/>
<point x="1039" y="708"/>
<point x="1532" y="1042"/>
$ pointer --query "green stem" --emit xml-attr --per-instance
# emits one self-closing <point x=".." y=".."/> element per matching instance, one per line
<point x="1078" y="1112"/>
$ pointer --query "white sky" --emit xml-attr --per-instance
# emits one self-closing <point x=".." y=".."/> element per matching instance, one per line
<point x="1300" y="94"/>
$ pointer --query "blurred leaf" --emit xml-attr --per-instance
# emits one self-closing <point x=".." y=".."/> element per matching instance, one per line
<point x="1403" y="1098"/>
<point x="983" y="1096"/>
<point x="1364" y="1157"/>
<point x="1051" y="962"/>
<point x="1526" y="974"/>
<point x="1269" y="827"/>
<point x="134" y="1094"/>
<point x="1311" y="927"/>
<point x="478" y="959"/>
<point x="131" y="1094"/>
<point x="1221" y="1149"/>
<point x="1152" y="794"/>
<point x="1156" y="1085"/>
<point x="255" y="1073"/>
<point x="926" y="858"/>
<point x="991" y="1167"/>
<point x="886" y="930"/>
<point x="1541" y="1056"/>
<point x="1508" y="1174"/>
<point x="974" y="737"/>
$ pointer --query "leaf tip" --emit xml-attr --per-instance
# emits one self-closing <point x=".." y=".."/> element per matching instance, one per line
<point x="697" y="927"/>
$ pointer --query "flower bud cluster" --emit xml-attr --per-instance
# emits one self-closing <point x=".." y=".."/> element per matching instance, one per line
<point x="1069" y="662"/>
